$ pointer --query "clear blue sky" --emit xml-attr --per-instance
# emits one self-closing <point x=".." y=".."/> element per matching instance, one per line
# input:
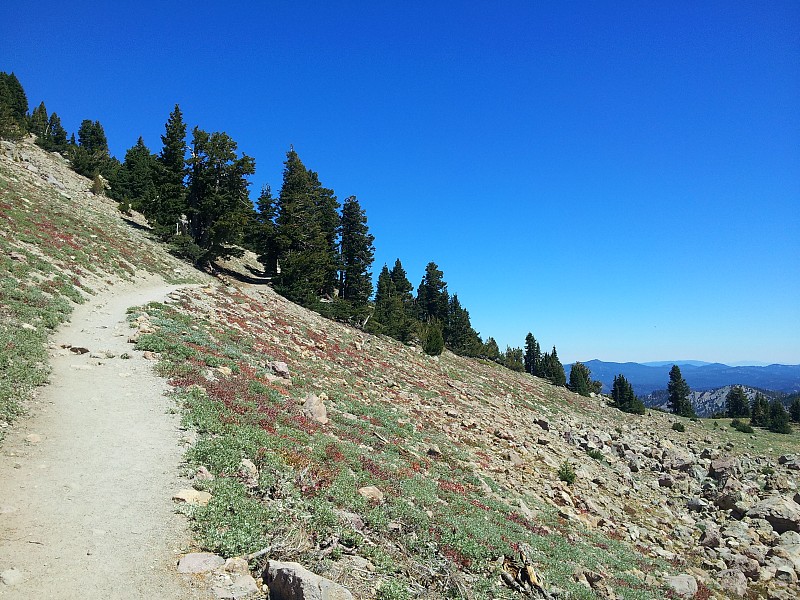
<point x="620" y="178"/>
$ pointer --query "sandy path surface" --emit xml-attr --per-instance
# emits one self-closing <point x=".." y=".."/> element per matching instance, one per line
<point x="86" y="481"/>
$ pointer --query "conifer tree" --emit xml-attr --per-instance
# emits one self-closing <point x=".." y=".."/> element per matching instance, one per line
<point x="736" y="404"/>
<point x="432" y="296"/>
<point x="38" y="123"/>
<point x="171" y="192"/>
<point x="459" y="335"/>
<point x="433" y="341"/>
<point x="56" y="138"/>
<point x="794" y="409"/>
<point x="393" y="303"/>
<point x="623" y="397"/>
<point x="579" y="379"/>
<point x="13" y="107"/>
<point x="308" y="266"/>
<point x="401" y="283"/>
<point x="555" y="370"/>
<point x="532" y="354"/>
<point x="512" y="359"/>
<point x="262" y="237"/>
<point x="90" y="157"/>
<point x="759" y="411"/>
<point x="679" y="394"/>
<point x="490" y="350"/>
<point x="218" y="204"/>
<point x="135" y="182"/>
<point x="357" y="254"/>
<point x="327" y="215"/>
<point x="778" y="418"/>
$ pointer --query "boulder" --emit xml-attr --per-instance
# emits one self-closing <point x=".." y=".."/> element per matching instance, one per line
<point x="280" y="368"/>
<point x="370" y="492"/>
<point x="291" y="581"/>
<point x="314" y="408"/>
<point x="723" y="467"/>
<point x="710" y="538"/>
<point x="733" y="582"/>
<point x="782" y="513"/>
<point x="200" y="562"/>
<point x="684" y="585"/>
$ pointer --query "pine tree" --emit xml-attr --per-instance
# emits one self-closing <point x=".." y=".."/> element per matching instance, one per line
<point x="135" y="182"/>
<point x="307" y="266"/>
<point x="391" y="304"/>
<point x="90" y="157"/>
<point x="218" y="204"/>
<point x="555" y="370"/>
<point x="38" y="124"/>
<point x="794" y="409"/>
<point x="459" y="335"/>
<point x="579" y="379"/>
<point x="759" y="411"/>
<point x="327" y="215"/>
<point x="679" y="394"/>
<point x="512" y="359"/>
<point x="357" y="254"/>
<point x="736" y="404"/>
<point x="531" y="359"/>
<point x="262" y="238"/>
<point x="623" y="397"/>
<point x="490" y="350"/>
<point x="432" y="296"/>
<point x="13" y="107"/>
<point x="778" y="418"/>
<point x="171" y="192"/>
<point x="56" y="139"/>
<point x="433" y="341"/>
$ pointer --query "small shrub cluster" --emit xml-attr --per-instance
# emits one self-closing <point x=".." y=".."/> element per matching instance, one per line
<point x="566" y="473"/>
<point x="677" y="426"/>
<point x="743" y="427"/>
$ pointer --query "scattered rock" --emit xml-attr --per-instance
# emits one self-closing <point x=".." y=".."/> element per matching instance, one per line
<point x="248" y="473"/>
<point x="200" y="562"/>
<point x="78" y="350"/>
<point x="148" y="355"/>
<point x="192" y="496"/>
<point x="291" y="581"/>
<point x="684" y="585"/>
<point x="783" y="514"/>
<point x="33" y="438"/>
<point x="733" y="582"/>
<point x="314" y="407"/>
<point x="281" y="369"/>
<point x="370" y="492"/>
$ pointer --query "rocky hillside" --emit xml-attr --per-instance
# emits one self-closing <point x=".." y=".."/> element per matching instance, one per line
<point x="392" y="475"/>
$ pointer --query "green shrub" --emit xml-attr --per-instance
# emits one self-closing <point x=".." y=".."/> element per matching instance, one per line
<point x="743" y="427"/>
<point x="678" y="427"/>
<point x="566" y="473"/>
<point x="595" y="454"/>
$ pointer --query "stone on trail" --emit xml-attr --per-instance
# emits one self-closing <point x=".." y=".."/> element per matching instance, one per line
<point x="733" y="582"/>
<point x="291" y="581"/>
<point x="190" y="496"/>
<point x="11" y="577"/>
<point x="200" y="562"/>
<point x="683" y="585"/>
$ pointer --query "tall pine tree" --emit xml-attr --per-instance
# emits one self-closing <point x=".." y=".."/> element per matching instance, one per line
<point x="357" y="254"/>
<point x="218" y="202"/>
<point x="679" y="392"/>
<point x="432" y="296"/>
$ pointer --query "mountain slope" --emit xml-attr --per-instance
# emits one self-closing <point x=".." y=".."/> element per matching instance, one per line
<point x="429" y="477"/>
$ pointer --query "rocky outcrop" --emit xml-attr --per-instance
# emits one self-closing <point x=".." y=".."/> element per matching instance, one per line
<point x="291" y="581"/>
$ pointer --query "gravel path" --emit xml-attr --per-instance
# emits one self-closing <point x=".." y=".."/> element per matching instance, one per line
<point x="86" y="481"/>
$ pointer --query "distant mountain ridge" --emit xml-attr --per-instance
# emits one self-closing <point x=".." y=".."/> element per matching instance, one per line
<point x="647" y="378"/>
<point x="709" y="402"/>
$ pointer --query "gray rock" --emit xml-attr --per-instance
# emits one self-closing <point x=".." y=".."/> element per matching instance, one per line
<point x="746" y="565"/>
<point x="200" y="562"/>
<point x="239" y="586"/>
<point x="782" y="513"/>
<point x="723" y="466"/>
<point x="280" y="368"/>
<point x="314" y="407"/>
<point x="733" y="582"/>
<point x="710" y="538"/>
<point x="683" y="585"/>
<point x="291" y="581"/>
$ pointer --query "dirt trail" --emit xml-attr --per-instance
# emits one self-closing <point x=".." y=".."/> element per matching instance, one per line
<point x="86" y="481"/>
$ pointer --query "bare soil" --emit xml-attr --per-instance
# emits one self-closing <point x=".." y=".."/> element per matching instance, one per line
<point x="86" y="481"/>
